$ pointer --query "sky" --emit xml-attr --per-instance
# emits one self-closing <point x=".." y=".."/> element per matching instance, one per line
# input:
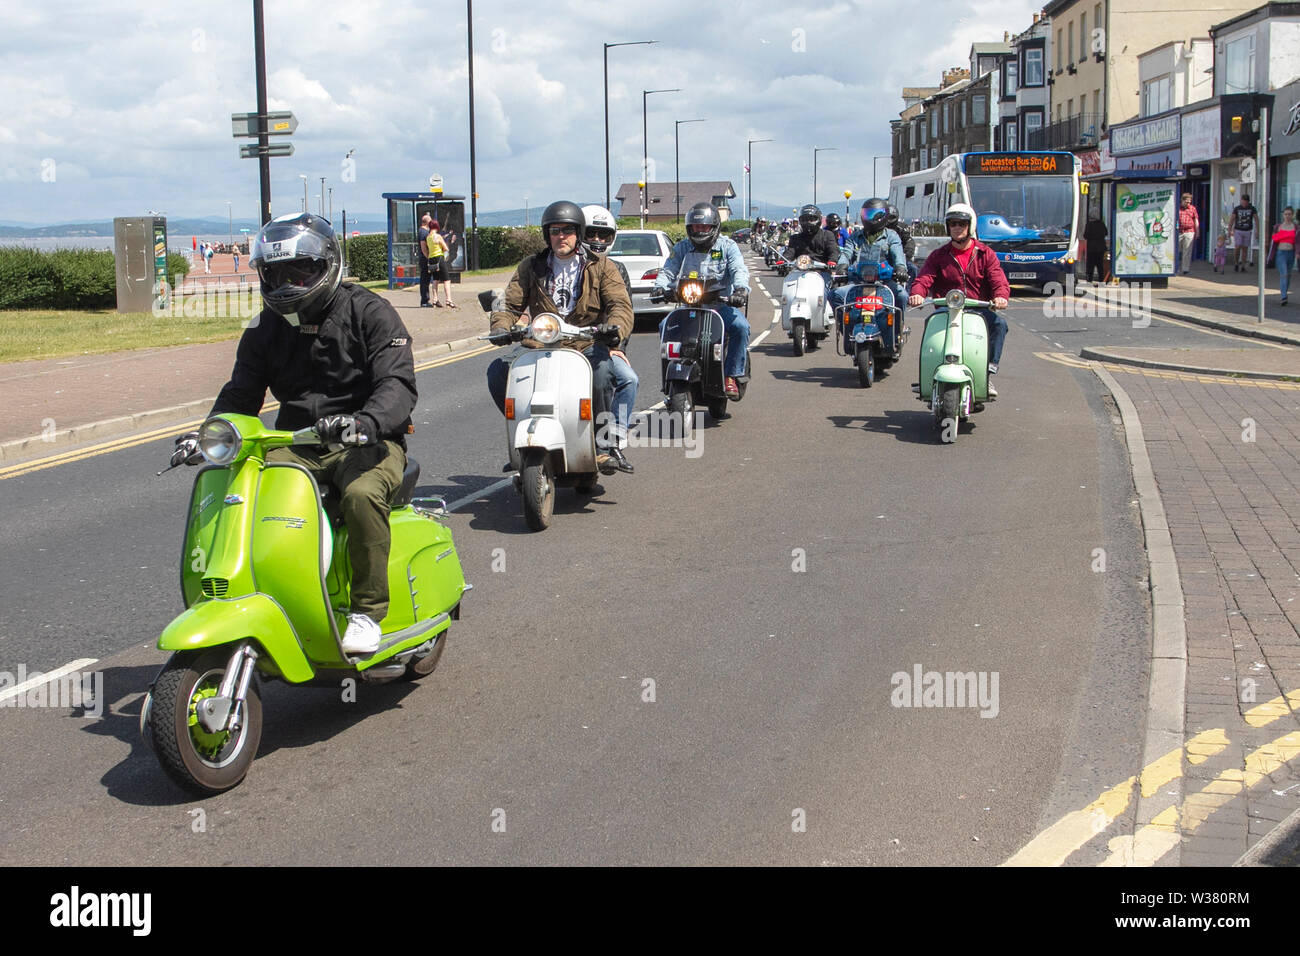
<point x="124" y="108"/>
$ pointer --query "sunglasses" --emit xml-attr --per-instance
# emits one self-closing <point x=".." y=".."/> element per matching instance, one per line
<point x="564" y="230"/>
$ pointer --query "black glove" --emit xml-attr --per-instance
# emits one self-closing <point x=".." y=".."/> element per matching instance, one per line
<point x="501" y="337"/>
<point x="187" y="450"/>
<point x="739" y="298"/>
<point x="344" y="430"/>
<point x="610" y="335"/>
<point x="658" y="295"/>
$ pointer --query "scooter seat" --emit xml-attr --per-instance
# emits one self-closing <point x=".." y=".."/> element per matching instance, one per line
<point x="410" y="477"/>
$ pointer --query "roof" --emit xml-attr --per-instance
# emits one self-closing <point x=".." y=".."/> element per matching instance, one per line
<point x="659" y="196"/>
<point x="987" y="48"/>
<point x="921" y="91"/>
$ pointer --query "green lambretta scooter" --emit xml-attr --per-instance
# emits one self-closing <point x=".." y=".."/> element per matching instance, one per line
<point x="265" y="579"/>
<point x="954" y="362"/>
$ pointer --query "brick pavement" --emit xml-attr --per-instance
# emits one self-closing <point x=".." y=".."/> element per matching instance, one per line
<point x="1226" y="457"/>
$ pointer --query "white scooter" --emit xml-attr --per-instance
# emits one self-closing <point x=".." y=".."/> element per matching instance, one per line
<point x="806" y="315"/>
<point x="549" y="425"/>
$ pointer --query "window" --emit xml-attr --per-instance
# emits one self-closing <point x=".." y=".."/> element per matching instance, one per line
<point x="929" y="189"/>
<point x="934" y="155"/>
<point x="921" y="123"/>
<point x="1096" y="103"/>
<point x="1069" y="47"/>
<point x="1034" y="121"/>
<point x="945" y="117"/>
<point x="1096" y="19"/>
<point x="1059" y="45"/>
<point x="946" y="150"/>
<point x="1083" y="37"/>
<point x="962" y="116"/>
<point x="911" y="191"/>
<point x="1009" y="136"/>
<point x="1239" y="60"/>
<point x="1069" y="108"/>
<point x="1157" y="95"/>
<point x="979" y="109"/>
<point x="934" y="122"/>
<point x="1013" y="73"/>
<point x="1034" y="67"/>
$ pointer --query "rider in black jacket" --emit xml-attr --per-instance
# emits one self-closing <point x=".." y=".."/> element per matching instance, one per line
<point x="338" y="358"/>
<point x="812" y="239"/>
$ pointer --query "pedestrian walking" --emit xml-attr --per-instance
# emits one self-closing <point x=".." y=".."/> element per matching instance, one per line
<point x="1189" y="227"/>
<point x="425" y="220"/>
<point x="1243" y="226"/>
<point x="1095" y="235"/>
<point x="235" y="250"/>
<point x="438" y="257"/>
<point x="1282" y="249"/>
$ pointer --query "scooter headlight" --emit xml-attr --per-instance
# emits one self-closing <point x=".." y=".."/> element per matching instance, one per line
<point x="219" y="441"/>
<point x="803" y="262"/>
<point x="691" y="292"/>
<point x="955" y="299"/>
<point x="544" y="329"/>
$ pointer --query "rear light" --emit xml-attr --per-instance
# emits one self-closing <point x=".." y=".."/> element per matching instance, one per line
<point x="510" y="409"/>
<point x="652" y="274"/>
<point x="584" y="409"/>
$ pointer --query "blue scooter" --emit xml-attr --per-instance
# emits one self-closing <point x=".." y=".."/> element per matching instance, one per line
<point x="871" y="322"/>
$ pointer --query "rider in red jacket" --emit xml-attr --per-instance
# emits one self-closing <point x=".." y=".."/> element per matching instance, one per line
<point x="969" y="265"/>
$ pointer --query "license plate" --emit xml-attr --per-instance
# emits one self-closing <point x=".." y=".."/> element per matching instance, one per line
<point x="1021" y="275"/>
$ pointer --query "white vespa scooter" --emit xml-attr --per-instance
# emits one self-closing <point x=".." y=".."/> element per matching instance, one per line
<point x="806" y="315"/>
<point x="549" y="426"/>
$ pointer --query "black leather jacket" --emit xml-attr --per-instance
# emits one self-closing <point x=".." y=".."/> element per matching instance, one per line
<point x="821" y="245"/>
<point x="356" y="361"/>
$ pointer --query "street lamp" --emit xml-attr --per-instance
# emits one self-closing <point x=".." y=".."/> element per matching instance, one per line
<point x="874" y="160"/>
<point x="607" y="49"/>
<point x="303" y="177"/>
<point x="677" y="164"/>
<point x="640" y="187"/>
<point x="749" y="173"/>
<point x="645" y="148"/>
<point x="848" y="194"/>
<point x="473" y="169"/>
<point x="322" y="197"/>
<point x="816" y="150"/>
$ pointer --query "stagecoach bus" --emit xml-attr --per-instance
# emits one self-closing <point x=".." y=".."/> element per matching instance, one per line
<point x="1026" y="207"/>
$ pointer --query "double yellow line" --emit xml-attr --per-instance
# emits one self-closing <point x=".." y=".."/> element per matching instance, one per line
<point x="130" y="441"/>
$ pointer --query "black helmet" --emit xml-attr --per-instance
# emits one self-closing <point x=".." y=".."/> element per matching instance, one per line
<point x="298" y="260"/>
<point x="874" y="213"/>
<point x="891" y="218"/>
<point x="833" y="221"/>
<point x="810" y="219"/>
<point x="563" y="212"/>
<point x="702" y="225"/>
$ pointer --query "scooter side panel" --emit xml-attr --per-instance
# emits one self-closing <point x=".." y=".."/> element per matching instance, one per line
<point x="975" y="351"/>
<point x="432" y="575"/>
<point x="932" y="342"/>
<point x="216" y="623"/>
<point x="286" y="555"/>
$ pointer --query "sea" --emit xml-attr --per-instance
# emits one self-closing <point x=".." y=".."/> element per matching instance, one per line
<point x="49" y="243"/>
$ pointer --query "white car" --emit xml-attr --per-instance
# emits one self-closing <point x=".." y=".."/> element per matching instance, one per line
<point x="642" y="252"/>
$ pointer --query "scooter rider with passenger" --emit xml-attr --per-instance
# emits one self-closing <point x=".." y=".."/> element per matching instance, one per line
<point x="874" y="244"/>
<point x="598" y="237"/>
<point x="965" y="263"/>
<point x="585" y="289"/>
<point x="713" y="256"/>
<point x="338" y="359"/>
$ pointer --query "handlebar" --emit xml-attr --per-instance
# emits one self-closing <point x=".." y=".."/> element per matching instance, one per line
<point x="942" y="300"/>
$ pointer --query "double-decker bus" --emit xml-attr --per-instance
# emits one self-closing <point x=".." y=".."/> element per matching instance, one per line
<point x="1026" y="206"/>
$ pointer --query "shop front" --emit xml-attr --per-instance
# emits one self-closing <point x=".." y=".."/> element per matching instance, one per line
<point x="1284" y="151"/>
<point x="1201" y="150"/>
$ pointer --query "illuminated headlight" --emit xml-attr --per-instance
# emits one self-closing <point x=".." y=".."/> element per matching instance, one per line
<point x="219" y="441"/>
<point x="691" y="292"/>
<point x="803" y="262"/>
<point x="955" y="299"/>
<point x="545" y="328"/>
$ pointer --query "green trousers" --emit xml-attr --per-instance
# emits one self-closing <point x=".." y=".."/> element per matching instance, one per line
<point x="366" y="478"/>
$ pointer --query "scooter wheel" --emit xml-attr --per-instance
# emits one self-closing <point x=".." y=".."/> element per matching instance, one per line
<point x="799" y="336"/>
<point x="718" y="409"/>
<point x="423" y="665"/>
<point x="682" y="409"/>
<point x="949" y="411"/>
<point x="866" y="368"/>
<point x="539" y="489"/>
<point x="198" y="761"/>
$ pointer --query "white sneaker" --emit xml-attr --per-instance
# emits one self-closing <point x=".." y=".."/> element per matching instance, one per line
<point x="362" y="635"/>
<point x="993" y="394"/>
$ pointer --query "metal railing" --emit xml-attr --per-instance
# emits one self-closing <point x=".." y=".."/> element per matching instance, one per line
<point x="1084" y="129"/>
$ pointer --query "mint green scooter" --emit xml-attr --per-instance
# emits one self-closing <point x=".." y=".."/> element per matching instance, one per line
<point x="265" y="579"/>
<point x="954" y="378"/>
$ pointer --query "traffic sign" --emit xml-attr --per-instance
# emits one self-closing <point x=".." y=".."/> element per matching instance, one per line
<point x="274" y="149"/>
<point x="277" y="124"/>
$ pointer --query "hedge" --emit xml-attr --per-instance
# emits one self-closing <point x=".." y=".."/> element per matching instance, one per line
<point x="368" y="257"/>
<point x="65" y="278"/>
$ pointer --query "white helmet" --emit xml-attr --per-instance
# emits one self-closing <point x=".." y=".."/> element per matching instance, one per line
<point x="963" y="212"/>
<point x="600" y="229"/>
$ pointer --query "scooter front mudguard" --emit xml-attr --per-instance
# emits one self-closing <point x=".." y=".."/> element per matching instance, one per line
<point x="950" y="374"/>
<point x="216" y="622"/>
<point x="544" y="433"/>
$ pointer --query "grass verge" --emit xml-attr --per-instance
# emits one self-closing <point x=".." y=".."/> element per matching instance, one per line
<point x="43" y="334"/>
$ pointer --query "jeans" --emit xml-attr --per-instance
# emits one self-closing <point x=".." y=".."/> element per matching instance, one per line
<point x="613" y="387"/>
<point x="424" y="281"/>
<point x="997" y="327"/>
<point x="1285" y="260"/>
<point x="737" y="329"/>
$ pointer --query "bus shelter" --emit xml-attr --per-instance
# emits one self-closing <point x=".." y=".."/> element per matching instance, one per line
<point x="404" y="213"/>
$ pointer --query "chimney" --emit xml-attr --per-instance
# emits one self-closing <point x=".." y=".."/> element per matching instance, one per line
<point x="1006" y="36"/>
<point x="1035" y="18"/>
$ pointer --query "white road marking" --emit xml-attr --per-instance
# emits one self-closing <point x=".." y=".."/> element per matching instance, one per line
<point x="46" y="678"/>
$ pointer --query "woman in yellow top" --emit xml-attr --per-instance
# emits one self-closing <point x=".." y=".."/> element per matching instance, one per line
<point x="437" y="251"/>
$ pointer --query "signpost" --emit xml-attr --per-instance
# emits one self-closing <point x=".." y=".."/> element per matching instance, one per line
<point x="277" y="124"/>
<point x="253" y="151"/>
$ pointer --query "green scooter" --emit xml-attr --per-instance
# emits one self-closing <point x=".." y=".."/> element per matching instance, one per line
<point x="265" y="578"/>
<point x="954" y="362"/>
